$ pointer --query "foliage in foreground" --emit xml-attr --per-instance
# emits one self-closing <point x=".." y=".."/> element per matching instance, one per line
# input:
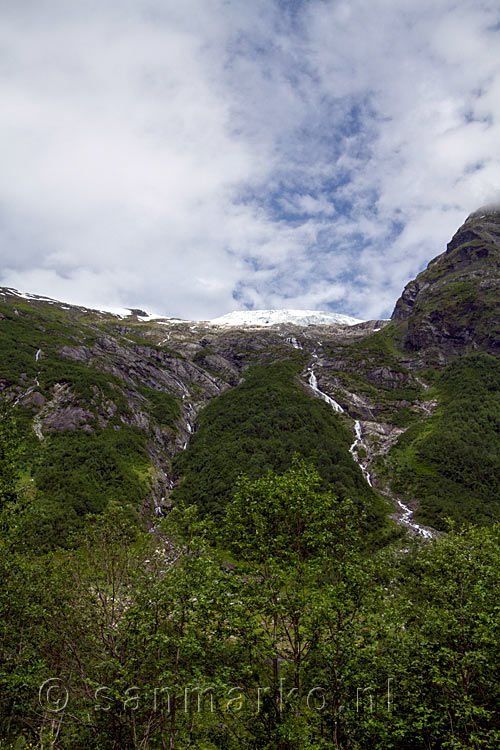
<point x="272" y="632"/>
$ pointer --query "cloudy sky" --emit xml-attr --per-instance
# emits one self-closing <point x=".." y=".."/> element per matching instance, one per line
<point x="193" y="157"/>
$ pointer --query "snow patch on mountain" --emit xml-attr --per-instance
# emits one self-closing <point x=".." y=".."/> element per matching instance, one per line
<point x="275" y="317"/>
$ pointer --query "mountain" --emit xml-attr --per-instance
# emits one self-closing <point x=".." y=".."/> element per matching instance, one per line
<point x="401" y="416"/>
<point x="453" y="306"/>
<point x="203" y="526"/>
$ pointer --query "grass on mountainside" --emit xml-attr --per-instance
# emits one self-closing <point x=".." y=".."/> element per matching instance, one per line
<point x="163" y="407"/>
<point x="450" y="462"/>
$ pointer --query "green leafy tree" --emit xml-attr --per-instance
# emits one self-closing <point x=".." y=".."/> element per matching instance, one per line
<point x="299" y="550"/>
<point x="442" y="634"/>
<point x="138" y="631"/>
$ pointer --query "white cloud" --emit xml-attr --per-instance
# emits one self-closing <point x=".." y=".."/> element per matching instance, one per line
<point x="175" y="156"/>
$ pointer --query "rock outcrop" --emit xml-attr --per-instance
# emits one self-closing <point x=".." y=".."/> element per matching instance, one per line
<point x="453" y="306"/>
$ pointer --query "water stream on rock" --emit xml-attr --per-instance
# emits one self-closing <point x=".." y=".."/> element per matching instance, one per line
<point x="406" y="520"/>
<point x="35" y="385"/>
<point x="313" y="382"/>
<point x="354" y="452"/>
<point x="407" y="514"/>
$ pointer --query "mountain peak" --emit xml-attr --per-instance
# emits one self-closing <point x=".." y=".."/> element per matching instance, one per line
<point x="490" y="210"/>
<point x="453" y="306"/>
<point x="482" y="227"/>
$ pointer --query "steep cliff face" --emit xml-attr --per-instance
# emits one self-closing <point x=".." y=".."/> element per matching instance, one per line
<point x="453" y="306"/>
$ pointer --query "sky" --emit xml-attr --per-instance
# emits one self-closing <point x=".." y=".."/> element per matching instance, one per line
<point x="194" y="157"/>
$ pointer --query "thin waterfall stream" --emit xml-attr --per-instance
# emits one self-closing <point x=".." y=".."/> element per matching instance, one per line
<point x="406" y="517"/>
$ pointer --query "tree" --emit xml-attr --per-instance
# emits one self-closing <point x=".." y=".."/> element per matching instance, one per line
<point x="300" y="554"/>
<point x="446" y="630"/>
<point x="138" y="630"/>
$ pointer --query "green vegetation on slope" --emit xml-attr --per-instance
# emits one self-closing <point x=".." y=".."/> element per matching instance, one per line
<point x="23" y="330"/>
<point x="258" y="426"/>
<point x="9" y="456"/>
<point x="163" y="407"/>
<point x="450" y="462"/>
<point x="79" y="473"/>
<point x="87" y="453"/>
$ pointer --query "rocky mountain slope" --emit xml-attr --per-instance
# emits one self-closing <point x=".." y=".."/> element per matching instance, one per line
<point x="149" y="412"/>
<point x="453" y="307"/>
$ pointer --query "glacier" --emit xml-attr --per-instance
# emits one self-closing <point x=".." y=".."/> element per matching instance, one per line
<point x="262" y="318"/>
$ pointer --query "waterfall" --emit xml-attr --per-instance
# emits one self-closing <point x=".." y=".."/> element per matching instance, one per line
<point x="313" y="382"/>
<point x="354" y="452"/>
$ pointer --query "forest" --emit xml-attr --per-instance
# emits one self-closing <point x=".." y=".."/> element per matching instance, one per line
<point x="273" y="625"/>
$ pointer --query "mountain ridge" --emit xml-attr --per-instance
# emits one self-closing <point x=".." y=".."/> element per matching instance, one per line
<point x="255" y="318"/>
